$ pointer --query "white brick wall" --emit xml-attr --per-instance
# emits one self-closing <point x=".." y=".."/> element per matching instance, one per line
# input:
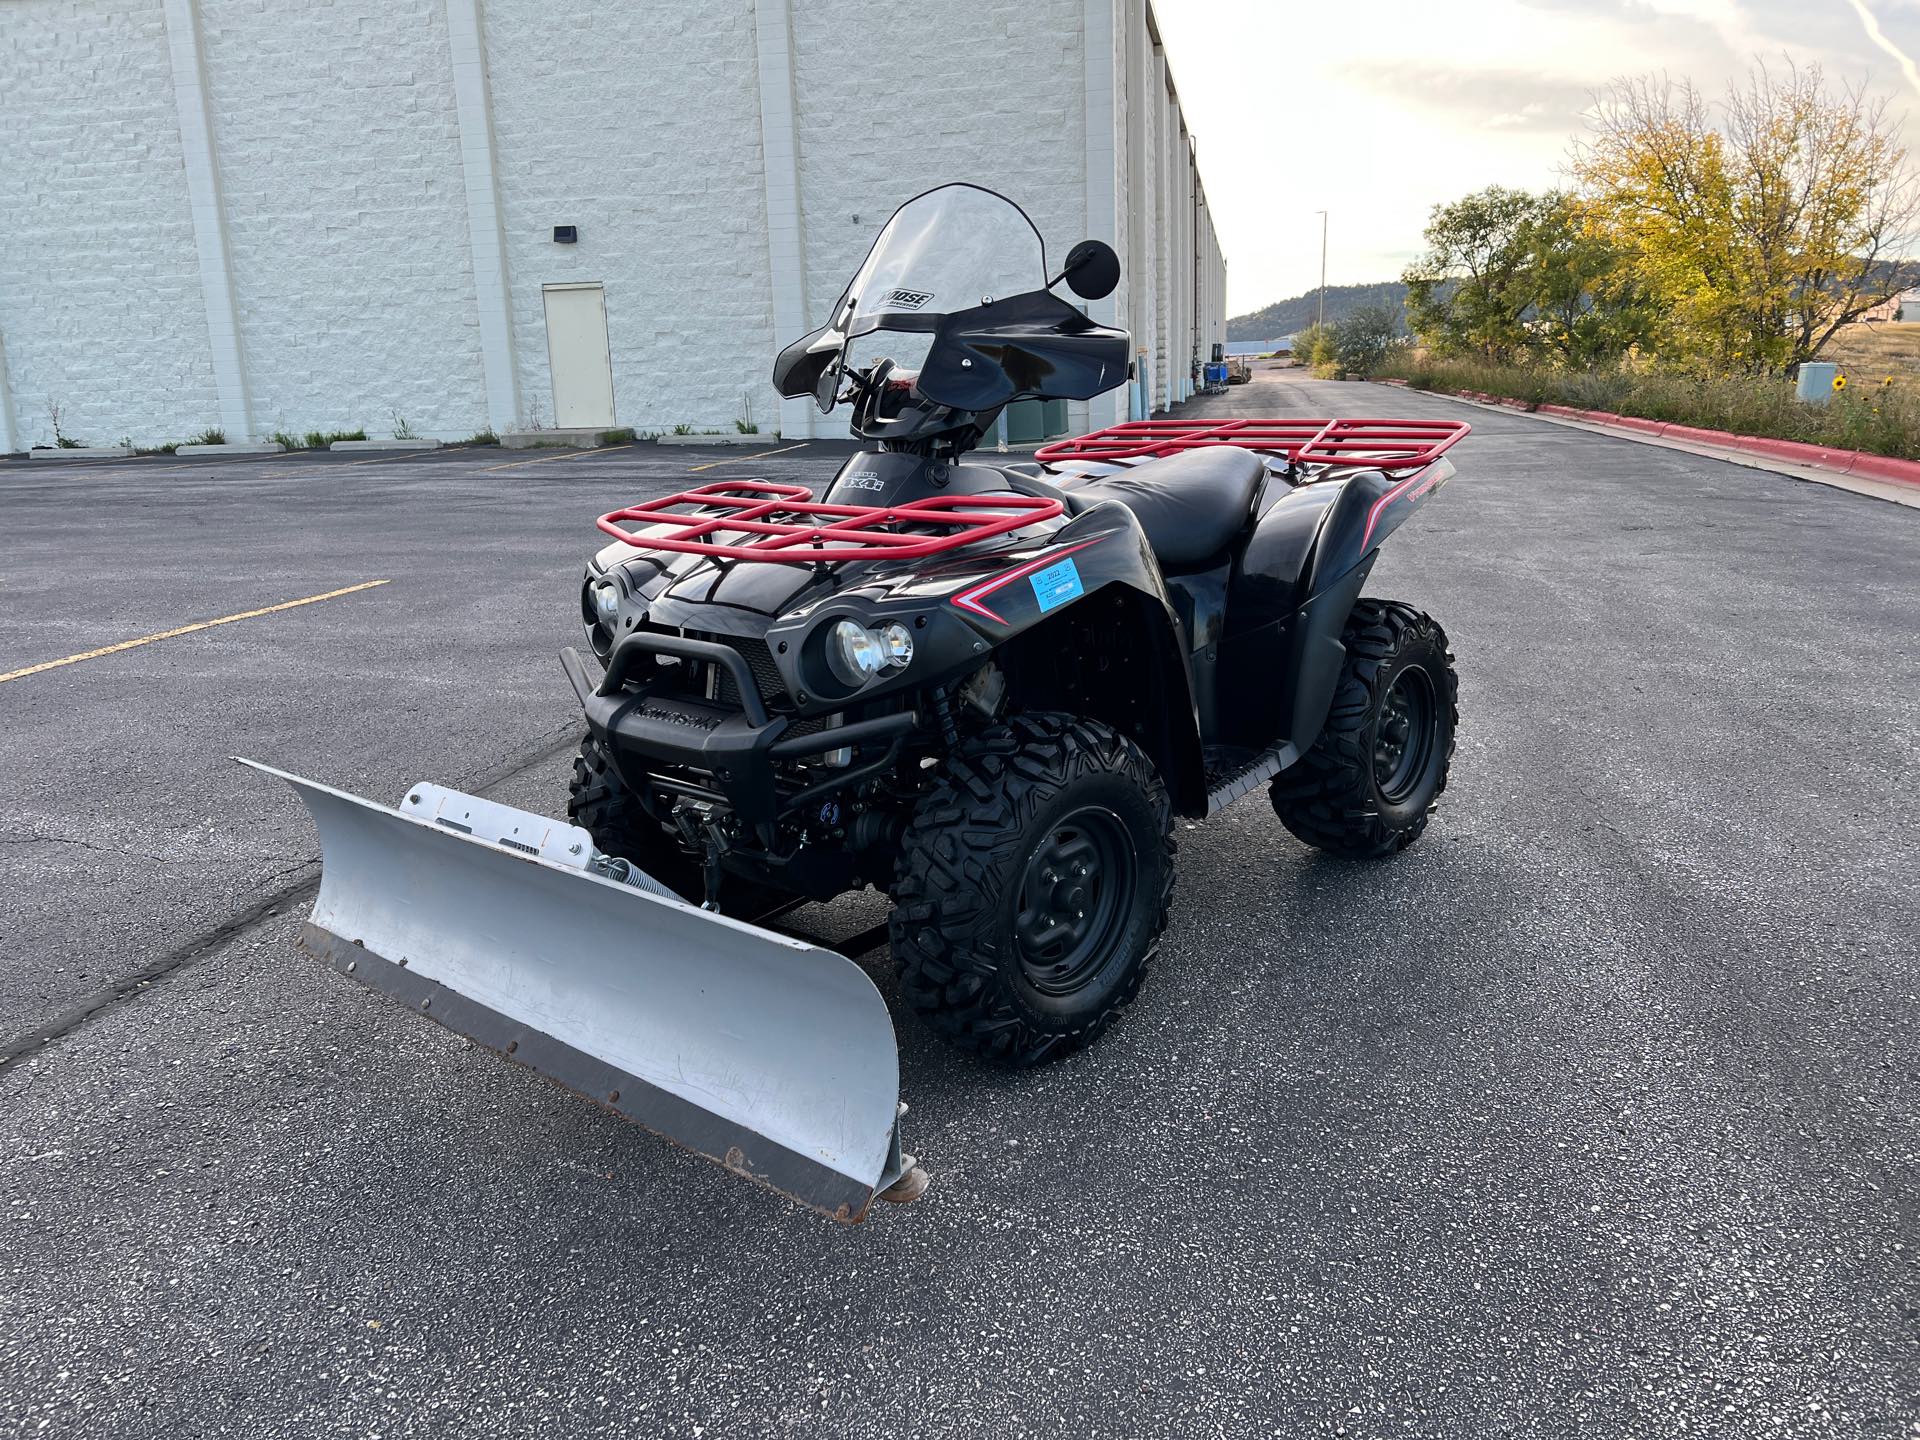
<point x="640" y="124"/>
<point x="346" y="214"/>
<point x="99" y="282"/>
<point x="349" y="216"/>
<point x="899" y="99"/>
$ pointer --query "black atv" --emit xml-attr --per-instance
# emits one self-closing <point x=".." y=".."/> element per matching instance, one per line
<point x="990" y="688"/>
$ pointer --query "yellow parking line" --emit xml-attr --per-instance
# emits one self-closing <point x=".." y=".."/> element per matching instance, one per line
<point x="742" y="459"/>
<point x="187" y="630"/>
<point x="549" y="459"/>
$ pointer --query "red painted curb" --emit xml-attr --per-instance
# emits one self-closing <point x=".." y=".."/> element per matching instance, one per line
<point x="1801" y="453"/>
<point x="1798" y="452"/>
<point x="1634" y="422"/>
<point x="1704" y="437"/>
<point x="1885" y="467"/>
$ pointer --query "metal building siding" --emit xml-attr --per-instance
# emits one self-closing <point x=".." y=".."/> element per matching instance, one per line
<point x="357" y="229"/>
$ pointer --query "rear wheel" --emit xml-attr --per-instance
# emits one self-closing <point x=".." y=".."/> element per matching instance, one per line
<point x="1032" y="888"/>
<point x="1370" y="781"/>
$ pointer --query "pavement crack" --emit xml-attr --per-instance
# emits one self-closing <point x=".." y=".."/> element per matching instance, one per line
<point x="39" y="837"/>
<point x="298" y="865"/>
<point x="273" y="893"/>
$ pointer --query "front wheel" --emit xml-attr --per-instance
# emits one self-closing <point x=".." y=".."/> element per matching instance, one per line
<point x="1371" y="779"/>
<point x="599" y="802"/>
<point x="1032" y="888"/>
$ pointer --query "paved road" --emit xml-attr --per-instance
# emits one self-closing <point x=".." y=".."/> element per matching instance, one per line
<point x="1594" y="1111"/>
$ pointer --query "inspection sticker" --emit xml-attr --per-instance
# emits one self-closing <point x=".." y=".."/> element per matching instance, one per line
<point x="1056" y="585"/>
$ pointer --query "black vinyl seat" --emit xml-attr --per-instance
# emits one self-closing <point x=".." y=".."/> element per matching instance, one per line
<point x="1190" y="504"/>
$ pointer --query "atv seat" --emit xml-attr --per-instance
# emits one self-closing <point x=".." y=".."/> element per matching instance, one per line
<point x="1190" y="505"/>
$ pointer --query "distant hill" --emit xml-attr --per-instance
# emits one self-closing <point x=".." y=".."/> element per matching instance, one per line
<point x="1284" y="317"/>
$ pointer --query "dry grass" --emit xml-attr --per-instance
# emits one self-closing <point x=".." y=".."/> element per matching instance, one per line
<point x="1871" y="353"/>
<point x="1866" y="417"/>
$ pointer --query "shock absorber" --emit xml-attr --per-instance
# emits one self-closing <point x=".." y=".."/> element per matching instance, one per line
<point x="943" y="711"/>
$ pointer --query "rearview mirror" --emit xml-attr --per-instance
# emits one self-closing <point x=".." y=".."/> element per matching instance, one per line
<point x="1092" y="270"/>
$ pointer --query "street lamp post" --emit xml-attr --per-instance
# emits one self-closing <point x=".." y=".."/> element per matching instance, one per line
<point x="1323" y="268"/>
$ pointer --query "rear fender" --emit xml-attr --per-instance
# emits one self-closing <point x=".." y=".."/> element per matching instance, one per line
<point x="1293" y="587"/>
<point x="1309" y="537"/>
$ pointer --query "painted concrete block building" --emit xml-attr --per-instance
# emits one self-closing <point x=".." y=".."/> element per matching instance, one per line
<point x="461" y="215"/>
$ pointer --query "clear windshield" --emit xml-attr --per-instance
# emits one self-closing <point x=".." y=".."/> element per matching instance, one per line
<point x="949" y="249"/>
<point x="943" y="253"/>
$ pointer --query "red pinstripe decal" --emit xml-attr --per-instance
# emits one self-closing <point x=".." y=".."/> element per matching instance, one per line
<point x="969" y="599"/>
<point x="1420" y="488"/>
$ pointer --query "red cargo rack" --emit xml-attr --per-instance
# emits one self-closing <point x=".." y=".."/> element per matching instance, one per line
<point x="786" y="525"/>
<point x="1375" y="444"/>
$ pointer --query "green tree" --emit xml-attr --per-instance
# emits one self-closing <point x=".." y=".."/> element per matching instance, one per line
<point x="1363" y="340"/>
<point x="1511" y="276"/>
<point x="1587" y="306"/>
<point x="1470" y="293"/>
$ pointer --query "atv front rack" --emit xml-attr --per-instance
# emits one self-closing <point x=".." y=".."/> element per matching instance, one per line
<point x="784" y="524"/>
<point x="1375" y="444"/>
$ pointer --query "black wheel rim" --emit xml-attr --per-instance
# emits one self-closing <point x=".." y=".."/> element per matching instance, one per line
<point x="1403" y="741"/>
<point x="1075" y="896"/>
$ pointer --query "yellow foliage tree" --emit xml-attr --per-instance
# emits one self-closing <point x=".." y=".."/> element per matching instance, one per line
<point x="1762" y="229"/>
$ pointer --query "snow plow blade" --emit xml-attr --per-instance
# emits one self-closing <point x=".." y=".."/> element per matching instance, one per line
<point x="770" y="1056"/>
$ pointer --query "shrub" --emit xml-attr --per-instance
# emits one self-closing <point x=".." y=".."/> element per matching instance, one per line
<point x="320" y="439"/>
<point x="1363" y="340"/>
<point x="60" y="437"/>
<point x="1881" y="419"/>
<point x="1313" y="347"/>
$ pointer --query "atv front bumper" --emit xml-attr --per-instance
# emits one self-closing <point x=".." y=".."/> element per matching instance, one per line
<point x="710" y="752"/>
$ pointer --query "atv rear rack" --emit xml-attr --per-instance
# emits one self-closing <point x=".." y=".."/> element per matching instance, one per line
<point x="1375" y="444"/>
<point x="787" y="526"/>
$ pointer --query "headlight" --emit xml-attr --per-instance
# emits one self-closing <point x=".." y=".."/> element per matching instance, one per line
<point x="897" y="641"/>
<point x="606" y="600"/>
<point x="854" y="653"/>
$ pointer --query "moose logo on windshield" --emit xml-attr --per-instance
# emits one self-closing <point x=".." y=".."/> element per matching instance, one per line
<point x="908" y="299"/>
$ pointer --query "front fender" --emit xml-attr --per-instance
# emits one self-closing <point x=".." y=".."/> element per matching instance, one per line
<point x="1087" y="627"/>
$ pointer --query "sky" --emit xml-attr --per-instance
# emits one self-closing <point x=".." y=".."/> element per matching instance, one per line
<point x="1377" y="110"/>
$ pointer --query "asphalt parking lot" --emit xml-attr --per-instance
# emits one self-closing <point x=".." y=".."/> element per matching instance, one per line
<point x="1593" y="1112"/>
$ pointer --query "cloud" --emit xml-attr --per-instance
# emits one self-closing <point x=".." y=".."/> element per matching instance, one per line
<point x="1838" y="33"/>
<point x="1493" y="99"/>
